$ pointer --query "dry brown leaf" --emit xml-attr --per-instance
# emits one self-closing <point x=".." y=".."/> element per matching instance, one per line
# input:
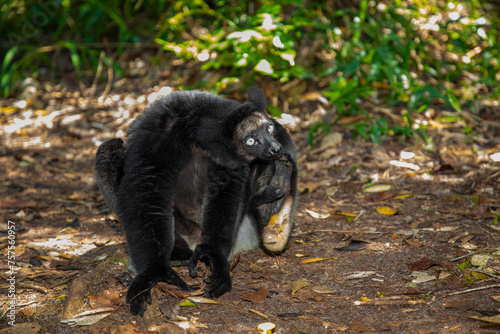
<point x="128" y="328"/>
<point x="495" y="319"/>
<point x="414" y="243"/>
<point x="358" y="326"/>
<point x="422" y="264"/>
<point x="170" y="308"/>
<point x="107" y="298"/>
<point x="256" y="297"/>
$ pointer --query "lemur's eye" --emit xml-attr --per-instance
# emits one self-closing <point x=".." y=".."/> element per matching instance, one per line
<point x="270" y="128"/>
<point x="250" y="141"/>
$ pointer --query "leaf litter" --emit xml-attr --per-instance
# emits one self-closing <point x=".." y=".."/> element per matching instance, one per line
<point x="445" y="198"/>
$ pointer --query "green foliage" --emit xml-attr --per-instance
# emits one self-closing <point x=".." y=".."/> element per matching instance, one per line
<point x="412" y="58"/>
<point x="245" y="47"/>
<point x="408" y="55"/>
<point x="33" y="31"/>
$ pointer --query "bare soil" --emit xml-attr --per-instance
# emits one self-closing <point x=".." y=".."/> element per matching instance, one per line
<point x="406" y="260"/>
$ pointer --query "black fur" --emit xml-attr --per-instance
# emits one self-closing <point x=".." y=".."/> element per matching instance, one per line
<point x="185" y="179"/>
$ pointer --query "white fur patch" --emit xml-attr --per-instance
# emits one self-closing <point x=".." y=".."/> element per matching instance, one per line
<point x="276" y="233"/>
<point x="247" y="237"/>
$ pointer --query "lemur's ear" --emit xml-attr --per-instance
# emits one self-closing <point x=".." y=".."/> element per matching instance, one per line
<point x="258" y="98"/>
<point x="237" y="115"/>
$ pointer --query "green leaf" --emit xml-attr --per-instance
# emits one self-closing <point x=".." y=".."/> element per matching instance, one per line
<point x="9" y="56"/>
<point x="274" y="111"/>
<point x="452" y="99"/>
<point x="187" y="303"/>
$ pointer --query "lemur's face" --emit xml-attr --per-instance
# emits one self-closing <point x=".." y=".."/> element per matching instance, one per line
<point x="255" y="138"/>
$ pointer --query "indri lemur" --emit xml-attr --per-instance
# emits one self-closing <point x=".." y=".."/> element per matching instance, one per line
<point x="199" y="176"/>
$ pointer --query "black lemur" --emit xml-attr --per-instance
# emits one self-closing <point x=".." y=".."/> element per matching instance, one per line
<point x="199" y="175"/>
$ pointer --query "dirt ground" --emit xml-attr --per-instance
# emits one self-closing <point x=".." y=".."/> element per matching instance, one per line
<point x="420" y="257"/>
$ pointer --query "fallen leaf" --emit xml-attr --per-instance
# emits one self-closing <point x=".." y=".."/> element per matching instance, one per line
<point x="354" y="245"/>
<point x="386" y="210"/>
<point x="307" y="294"/>
<point x="379" y="197"/>
<point x="377" y="188"/>
<point x="256" y="297"/>
<point x="299" y="284"/>
<point x="346" y="214"/>
<point x="108" y="298"/>
<point x="358" y="326"/>
<point x="492" y="319"/>
<point x="128" y="328"/>
<point x="480" y="260"/>
<point x="394" y="324"/>
<point x="414" y="243"/>
<point x="422" y="264"/>
<point x="202" y="300"/>
<point x="88" y="318"/>
<point x="317" y="215"/>
<point x="187" y="303"/>
<point x="360" y="274"/>
<point x="170" y="308"/>
<point x="421" y="277"/>
<point x="316" y="259"/>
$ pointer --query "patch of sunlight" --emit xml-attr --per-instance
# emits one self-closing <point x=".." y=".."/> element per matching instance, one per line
<point x="407" y="155"/>
<point x="495" y="157"/>
<point x="245" y="36"/>
<point x="267" y="22"/>
<point x="404" y="165"/>
<point x="204" y="56"/>
<point x="264" y="66"/>
<point x="69" y="246"/>
<point x="162" y="92"/>
<point x="290" y="57"/>
<point x="278" y="43"/>
<point x="18" y="125"/>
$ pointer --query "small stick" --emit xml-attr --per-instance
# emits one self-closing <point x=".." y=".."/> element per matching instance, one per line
<point x="263" y="315"/>
<point x="467" y="291"/>
<point x="463" y="256"/>
<point x="390" y="302"/>
<point x="341" y="231"/>
<point x="34" y="287"/>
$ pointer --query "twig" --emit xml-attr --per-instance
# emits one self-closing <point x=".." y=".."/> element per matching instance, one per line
<point x="390" y="302"/>
<point x="98" y="73"/>
<point x="467" y="291"/>
<point x="463" y="256"/>
<point x="263" y="315"/>
<point x="359" y="215"/>
<point x="28" y="303"/>
<point x="110" y="70"/>
<point x="34" y="287"/>
<point x="340" y="231"/>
